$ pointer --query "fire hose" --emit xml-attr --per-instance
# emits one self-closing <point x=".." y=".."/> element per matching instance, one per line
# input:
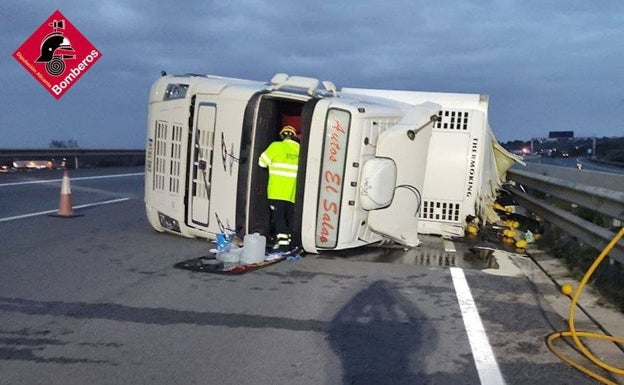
<point x="575" y="334"/>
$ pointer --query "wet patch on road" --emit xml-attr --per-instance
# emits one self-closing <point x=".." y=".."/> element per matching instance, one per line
<point x="433" y="252"/>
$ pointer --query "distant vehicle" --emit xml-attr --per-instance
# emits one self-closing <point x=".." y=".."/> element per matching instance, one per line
<point x="32" y="164"/>
<point x="374" y="164"/>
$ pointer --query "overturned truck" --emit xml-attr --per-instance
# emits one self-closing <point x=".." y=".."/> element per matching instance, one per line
<point x="374" y="164"/>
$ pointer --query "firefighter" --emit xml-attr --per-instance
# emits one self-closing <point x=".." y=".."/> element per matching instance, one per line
<point x="282" y="159"/>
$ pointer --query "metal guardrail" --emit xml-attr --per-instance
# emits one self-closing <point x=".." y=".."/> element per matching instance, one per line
<point x="75" y="156"/>
<point x="601" y="200"/>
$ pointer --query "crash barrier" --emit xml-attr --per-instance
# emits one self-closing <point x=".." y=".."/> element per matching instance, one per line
<point x="543" y="190"/>
<point x="557" y="194"/>
<point x="71" y="158"/>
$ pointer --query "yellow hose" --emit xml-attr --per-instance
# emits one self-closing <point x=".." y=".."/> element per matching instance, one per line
<point x="576" y="334"/>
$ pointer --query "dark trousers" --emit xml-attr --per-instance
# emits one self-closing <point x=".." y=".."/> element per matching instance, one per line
<point x="282" y="213"/>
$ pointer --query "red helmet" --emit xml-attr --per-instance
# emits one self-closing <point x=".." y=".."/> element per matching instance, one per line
<point x="288" y="132"/>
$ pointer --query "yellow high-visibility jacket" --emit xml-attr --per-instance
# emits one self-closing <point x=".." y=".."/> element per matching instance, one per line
<point x="282" y="159"/>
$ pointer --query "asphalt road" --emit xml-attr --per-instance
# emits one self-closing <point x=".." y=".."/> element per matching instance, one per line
<point x="96" y="300"/>
<point x="572" y="163"/>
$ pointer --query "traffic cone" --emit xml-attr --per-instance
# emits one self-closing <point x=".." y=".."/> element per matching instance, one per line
<point x="66" y="209"/>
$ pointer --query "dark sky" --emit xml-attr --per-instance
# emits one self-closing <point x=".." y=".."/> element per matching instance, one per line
<point x="546" y="65"/>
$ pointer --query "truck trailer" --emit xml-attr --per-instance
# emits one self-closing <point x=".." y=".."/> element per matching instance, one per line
<point x="374" y="165"/>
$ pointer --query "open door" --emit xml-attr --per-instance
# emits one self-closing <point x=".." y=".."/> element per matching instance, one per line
<point x="272" y="114"/>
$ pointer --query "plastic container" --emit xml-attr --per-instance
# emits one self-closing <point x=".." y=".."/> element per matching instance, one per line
<point x="230" y="258"/>
<point x="253" y="248"/>
<point x="224" y="241"/>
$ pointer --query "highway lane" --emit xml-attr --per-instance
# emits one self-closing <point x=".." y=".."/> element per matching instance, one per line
<point x="609" y="180"/>
<point x="40" y="190"/>
<point x="594" y="166"/>
<point x="95" y="300"/>
<point x="586" y="164"/>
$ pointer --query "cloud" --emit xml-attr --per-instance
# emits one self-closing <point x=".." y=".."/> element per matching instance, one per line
<point x="544" y="67"/>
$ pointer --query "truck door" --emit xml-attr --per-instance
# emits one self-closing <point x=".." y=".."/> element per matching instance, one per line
<point x="200" y="168"/>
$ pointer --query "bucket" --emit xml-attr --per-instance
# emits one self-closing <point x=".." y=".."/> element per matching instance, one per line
<point x="254" y="248"/>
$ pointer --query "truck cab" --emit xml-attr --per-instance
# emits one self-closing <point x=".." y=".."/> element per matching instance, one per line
<point x="362" y="165"/>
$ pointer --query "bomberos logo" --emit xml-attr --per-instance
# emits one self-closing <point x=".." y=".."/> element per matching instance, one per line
<point x="57" y="54"/>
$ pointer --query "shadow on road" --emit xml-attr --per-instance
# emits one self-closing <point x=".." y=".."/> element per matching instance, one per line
<point x="381" y="338"/>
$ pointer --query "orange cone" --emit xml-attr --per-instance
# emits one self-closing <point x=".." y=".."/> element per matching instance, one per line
<point x="66" y="209"/>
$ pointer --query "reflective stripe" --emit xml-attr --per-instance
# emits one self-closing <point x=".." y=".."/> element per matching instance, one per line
<point x="283" y="239"/>
<point x="264" y="160"/>
<point x="285" y="165"/>
<point x="283" y="173"/>
<point x="283" y="169"/>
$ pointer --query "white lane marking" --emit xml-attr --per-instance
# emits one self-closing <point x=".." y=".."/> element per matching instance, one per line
<point x="55" y="210"/>
<point x="487" y="367"/>
<point x="80" y="178"/>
